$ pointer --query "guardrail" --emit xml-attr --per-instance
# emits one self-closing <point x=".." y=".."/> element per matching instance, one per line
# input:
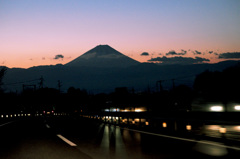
<point x="21" y="115"/>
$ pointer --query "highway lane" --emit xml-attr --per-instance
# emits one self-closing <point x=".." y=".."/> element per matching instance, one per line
<point x="44" y="138"/>
<point x="31" y="139"/>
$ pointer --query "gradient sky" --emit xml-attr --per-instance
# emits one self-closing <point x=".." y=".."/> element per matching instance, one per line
<point x="44" y="32"/>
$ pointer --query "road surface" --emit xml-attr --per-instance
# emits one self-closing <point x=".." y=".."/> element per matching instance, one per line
<point x="80" y="138"/>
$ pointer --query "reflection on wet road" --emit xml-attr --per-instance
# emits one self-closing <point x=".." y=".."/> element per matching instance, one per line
<point x="115" y="142"/>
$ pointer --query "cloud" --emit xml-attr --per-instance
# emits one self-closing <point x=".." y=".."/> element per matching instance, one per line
<point x="59" y="56"/>
<point x="43" y="58"/>
<point x="229" y="55"/>
<point x="196" y="52"/>
<point x="174" y="53"/>
<point x="171" y="53"/>
<point x="178" y="60"/>
<point x="145" y="54"/>
<point x="184" y="51"/>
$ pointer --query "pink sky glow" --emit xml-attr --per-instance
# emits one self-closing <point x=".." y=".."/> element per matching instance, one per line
<point x="32" y="33"/>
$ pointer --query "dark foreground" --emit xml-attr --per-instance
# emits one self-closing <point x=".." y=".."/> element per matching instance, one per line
<point x="35" y="138"/>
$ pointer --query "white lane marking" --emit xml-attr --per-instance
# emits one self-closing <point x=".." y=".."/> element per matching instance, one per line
<point x="185" y="139"/>
<point x="6" y="123"/>
<point x="66" y="140"/>
<point x="48" y="126"/>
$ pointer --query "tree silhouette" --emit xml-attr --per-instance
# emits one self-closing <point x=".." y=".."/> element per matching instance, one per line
<point x="220" y="86"/>
<point x="2" y="73"/>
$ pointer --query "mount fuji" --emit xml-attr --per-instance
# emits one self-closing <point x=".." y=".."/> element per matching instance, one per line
<point x="103" y="56"/>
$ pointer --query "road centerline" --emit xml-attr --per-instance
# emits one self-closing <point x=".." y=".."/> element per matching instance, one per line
<point x="66" y="140"/>
<point x="6" y="123"/>
<point x="47" y="126"/>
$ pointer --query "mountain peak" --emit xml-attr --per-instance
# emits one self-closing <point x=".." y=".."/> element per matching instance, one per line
<point x="103" y="56"/>
<point x="102" y="50"/>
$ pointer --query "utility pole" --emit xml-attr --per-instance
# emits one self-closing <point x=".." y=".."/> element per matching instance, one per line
<point x="41" y="82"/>
<point x="148" y="89"/>
<point x="161" y="88"/>
<point x="173" y="83"/>
<point x="159" y="85"/>
<point x="59" y="85"/>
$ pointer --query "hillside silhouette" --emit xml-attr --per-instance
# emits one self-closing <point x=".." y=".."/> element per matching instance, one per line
<point x="217" y="86"/>
<point x="102" y="69"/>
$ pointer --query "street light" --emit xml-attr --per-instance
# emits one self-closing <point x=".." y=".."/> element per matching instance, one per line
<point x="216" y="108"/>
<point x="188" y="127"/>
<point x="237" y="107"/>
<point x="222" y="130"/>
<point x="164" y="124"/>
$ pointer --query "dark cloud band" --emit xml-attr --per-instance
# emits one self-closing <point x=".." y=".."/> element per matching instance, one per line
<point x="174" y="53"/>
<point x="229" y="55"/>
<point x="179" y="60"/>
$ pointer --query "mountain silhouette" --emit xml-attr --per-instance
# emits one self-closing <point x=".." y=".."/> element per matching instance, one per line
<point x="103" y="68"/>
<point x="103" y="56"/>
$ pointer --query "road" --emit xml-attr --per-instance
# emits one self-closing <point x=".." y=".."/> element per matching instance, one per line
<point x="80" y="138"/>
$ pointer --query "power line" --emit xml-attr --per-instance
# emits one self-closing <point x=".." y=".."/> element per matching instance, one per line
<point x="159" y="82"/>
<point x="180" y="77"/>
<point x="22" y="82"/>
